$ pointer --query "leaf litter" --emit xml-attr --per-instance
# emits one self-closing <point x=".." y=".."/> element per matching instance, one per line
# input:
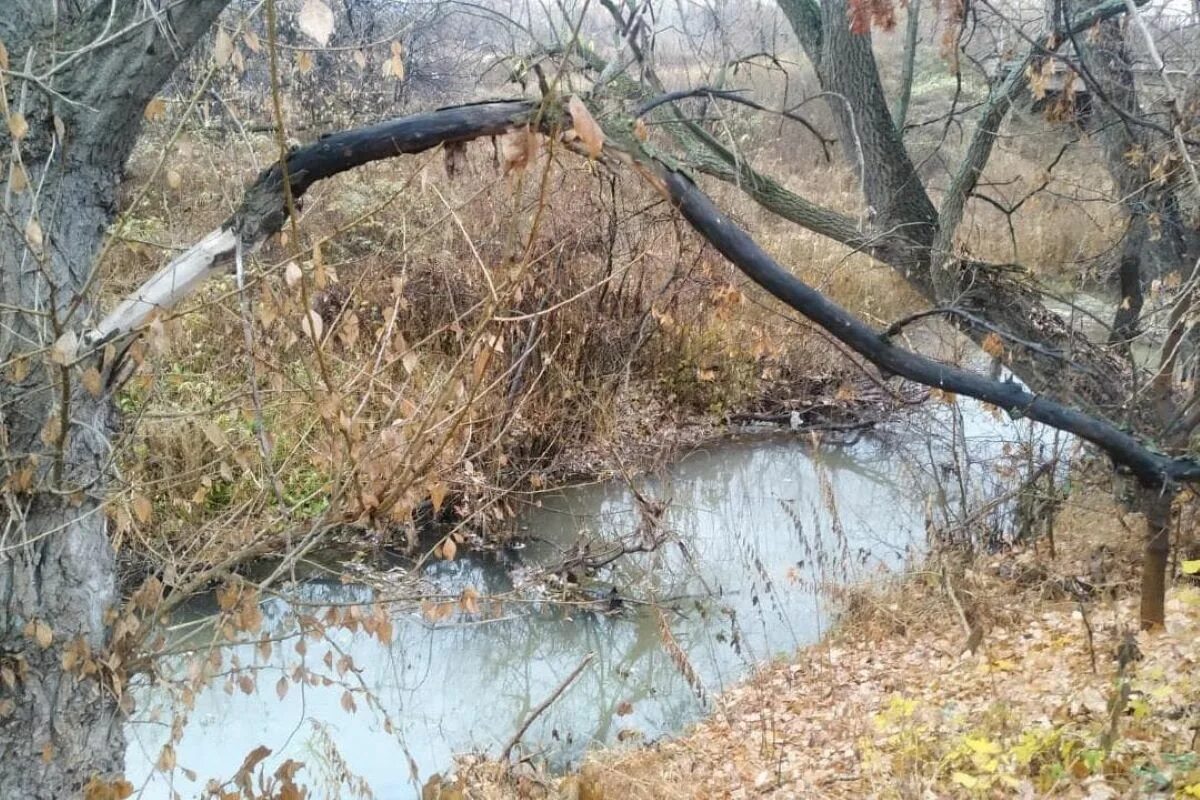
<point x="1063" y="697"/>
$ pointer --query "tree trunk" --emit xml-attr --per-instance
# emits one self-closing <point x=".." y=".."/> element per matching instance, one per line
<point x="58" y="727"/>
<point x="1156" y="507"/>
<point x="60" y="676"/>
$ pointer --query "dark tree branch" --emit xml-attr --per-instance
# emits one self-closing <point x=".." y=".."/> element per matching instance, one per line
<point x="1151" y="467"/>
<point x="735" y="96"/>
<point x="262" y="213"/>
<point x="911" y="37"/>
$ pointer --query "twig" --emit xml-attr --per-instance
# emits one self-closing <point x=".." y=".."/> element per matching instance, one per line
<point x="1087" y="628"/>
<point x="562" y="687"/>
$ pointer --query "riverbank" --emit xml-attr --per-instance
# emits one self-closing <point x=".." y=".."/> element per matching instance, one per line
<point x="404" y="363"/>
<point x="1012" y="675"/>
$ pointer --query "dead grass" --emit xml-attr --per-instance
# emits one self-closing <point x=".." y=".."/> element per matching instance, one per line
<point x="894" y="705"/>
<point x="604" y="329"/>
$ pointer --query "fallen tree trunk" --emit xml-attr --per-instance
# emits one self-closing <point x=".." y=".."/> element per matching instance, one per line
<point x="264" y="210"/>
<point x="1151" y="467"/>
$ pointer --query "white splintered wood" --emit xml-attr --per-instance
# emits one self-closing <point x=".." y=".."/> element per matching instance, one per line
<point x="170" y="285"/>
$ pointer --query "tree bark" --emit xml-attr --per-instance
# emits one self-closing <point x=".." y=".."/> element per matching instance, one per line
<point x="1155" y="504"/>
<point x="98" y="64"/>
<point x="912" y="34"/>
<point x="57" y="576"/>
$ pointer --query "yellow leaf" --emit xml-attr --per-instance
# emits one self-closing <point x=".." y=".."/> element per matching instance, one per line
<point x="965" y="780"/>
<point x="1190" y="567"/>
<point x="585" y="125"/>
<point x="982" y="746"/>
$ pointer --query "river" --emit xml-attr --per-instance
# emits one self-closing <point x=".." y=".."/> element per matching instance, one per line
<point x="759" y="522"/>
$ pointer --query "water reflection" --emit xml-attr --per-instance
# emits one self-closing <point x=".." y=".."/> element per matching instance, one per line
<point x="762" y="522"/>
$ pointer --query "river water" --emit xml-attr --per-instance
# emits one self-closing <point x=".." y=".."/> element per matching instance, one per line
<point x="760" y="523"/>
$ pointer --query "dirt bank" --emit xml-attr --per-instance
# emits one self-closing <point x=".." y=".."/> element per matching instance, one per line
<point x="1060" y="697"/>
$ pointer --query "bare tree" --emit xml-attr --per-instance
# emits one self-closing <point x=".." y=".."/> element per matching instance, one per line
<point x="77" y="79"/>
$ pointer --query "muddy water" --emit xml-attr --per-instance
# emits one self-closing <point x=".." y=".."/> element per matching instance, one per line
<point x="760" y="521"/>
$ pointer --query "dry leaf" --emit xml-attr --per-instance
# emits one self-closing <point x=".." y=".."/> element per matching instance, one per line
<point x="166" y="758"/>
<point x="586" y="128"/>
<point x="304" y="62"/>
<point x="449" y="549"/>
<point x="312" y="325"/>
<point x="91" y="381"/>
<point x="292" y="274"/>
<point x="251" y="40"/>
<point x="519" y="148"/>
<point x="40" y="632"/>
<point x="174" y="179"/>
<point x="639" y="130"/>
<point x="17" y="125"/>
<point x="281" y="687"/>
<point x="993" y="345"/>
<point x="64" y="350"/>
<point x="316" y="21"/>
<point x="17" y="180"/>
<point x="469" y="600"/>
<point x="437" y="494"/>
<point x="155" y="110"/>
<point x="33" y="235"/>
<point x="143" y="510"/>
<point x="222" y="48"/>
